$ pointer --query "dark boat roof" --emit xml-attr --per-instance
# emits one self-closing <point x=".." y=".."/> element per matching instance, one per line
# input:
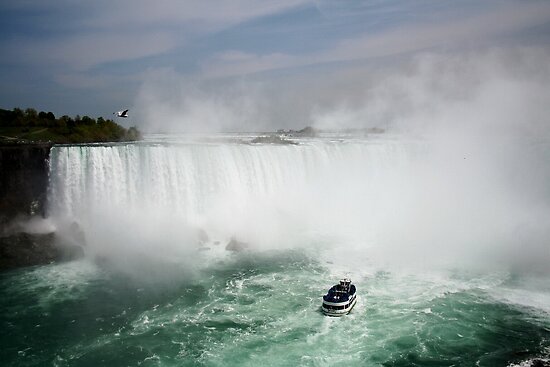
<point x="339" y="294"/>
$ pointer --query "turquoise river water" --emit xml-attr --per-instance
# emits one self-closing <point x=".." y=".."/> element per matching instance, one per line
<point x="158" y="288"/>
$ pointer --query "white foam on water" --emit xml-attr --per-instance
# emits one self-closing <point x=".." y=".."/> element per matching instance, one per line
<point x="56" y="283"/>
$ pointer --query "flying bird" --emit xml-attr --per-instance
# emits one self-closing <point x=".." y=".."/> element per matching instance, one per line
<point x="121" y="113"/>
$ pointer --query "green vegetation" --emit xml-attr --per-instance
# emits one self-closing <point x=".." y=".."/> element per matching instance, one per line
<point x="31" y="126"/>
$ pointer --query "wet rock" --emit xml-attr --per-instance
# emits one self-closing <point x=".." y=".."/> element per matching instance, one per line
<point x="23" y="180"/>
<point x="306" y="132"/>
<point x="236" y="246"/>
<point x="25" y="249"/>
<point x="272" y="139"/>
<point x="540" y="363"/>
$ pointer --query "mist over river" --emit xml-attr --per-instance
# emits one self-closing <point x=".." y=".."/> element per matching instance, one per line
<point x="445" y="238"/>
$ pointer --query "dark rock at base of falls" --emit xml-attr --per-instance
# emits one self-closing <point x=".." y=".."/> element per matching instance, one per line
<point x="26" y="249"/>
<point x="236" y="245"/>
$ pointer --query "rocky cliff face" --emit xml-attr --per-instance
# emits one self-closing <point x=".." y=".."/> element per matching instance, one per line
<point x="23" y="194"/>
<point x="23" y="180"/>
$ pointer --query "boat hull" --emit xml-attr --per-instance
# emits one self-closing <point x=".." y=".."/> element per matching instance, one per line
<point x="338" y="309"/>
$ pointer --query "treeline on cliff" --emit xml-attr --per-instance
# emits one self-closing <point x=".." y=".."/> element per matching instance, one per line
<point x="29" y="125"/>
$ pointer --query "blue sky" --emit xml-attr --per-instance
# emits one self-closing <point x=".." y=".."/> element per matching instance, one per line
<point x="193" y="59"/>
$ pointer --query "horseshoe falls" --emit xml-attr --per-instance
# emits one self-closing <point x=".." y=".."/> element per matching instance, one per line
<point x="216" y="251"/>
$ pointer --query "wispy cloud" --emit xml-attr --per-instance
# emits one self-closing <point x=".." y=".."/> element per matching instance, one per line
<point x="233" y="63"/>
<point x="477" y="29"/>
<point x="129" y="30"/>
<point x="84" y="52"/>
<point x="196" y="15"/>
<point x="102" y="45"/>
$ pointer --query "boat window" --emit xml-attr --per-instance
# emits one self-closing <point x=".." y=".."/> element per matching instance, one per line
<point x="330" y="307"/>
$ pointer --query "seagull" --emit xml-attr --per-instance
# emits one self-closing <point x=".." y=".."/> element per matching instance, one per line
<point x="121" y="113"/>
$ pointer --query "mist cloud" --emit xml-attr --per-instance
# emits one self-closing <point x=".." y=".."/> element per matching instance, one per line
<point x="479" y="191"/>
<point x="490" y="91"/>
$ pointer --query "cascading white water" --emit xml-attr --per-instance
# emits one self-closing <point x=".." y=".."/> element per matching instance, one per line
<point x="259" y="193"/>
<point x="402" y="198"/>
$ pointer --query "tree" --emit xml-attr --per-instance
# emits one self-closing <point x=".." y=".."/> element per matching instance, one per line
<point x="18" y="112"/>
<point x="7" y="118"/>
<point x="87" y="120"/>
<point x="71" y="123"/>
<point x="31" y="113"/>
<point x="31" y="117"/>
<point x="18" y="117"/>
<point x="65" y="129"/>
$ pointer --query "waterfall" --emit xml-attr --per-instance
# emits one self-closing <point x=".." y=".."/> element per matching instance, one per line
<point x="400" y="197"/>
<point x="258" y="192"/>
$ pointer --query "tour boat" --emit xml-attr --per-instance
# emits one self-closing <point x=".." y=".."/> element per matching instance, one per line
<point x="340" y="299"/>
